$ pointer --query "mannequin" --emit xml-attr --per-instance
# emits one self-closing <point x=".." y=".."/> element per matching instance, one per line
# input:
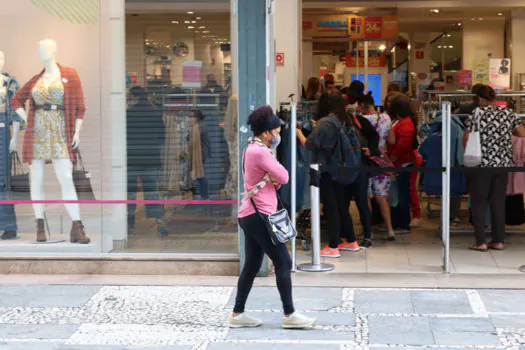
<point x="52" y="114"/>
<point x="8" y="87"/>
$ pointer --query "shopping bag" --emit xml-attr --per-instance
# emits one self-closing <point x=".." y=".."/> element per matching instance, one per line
<point x="18" y="185"/>
<point x="82" y="179"/>
<point x="473" y="155"/>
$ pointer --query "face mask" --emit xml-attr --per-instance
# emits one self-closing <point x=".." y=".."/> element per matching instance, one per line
<point x="274" y="143"/>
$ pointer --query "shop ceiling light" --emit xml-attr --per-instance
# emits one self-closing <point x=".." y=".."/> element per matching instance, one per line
<point x="439" y="46"/>
<point x="434" y="10"/>
<point x="205" y="31"/>
<point x="480" y="19"/>
<point x="382" y="47"/>
<point x="500" y="14"/>
<point x="193" y="22"/>
<point x="191" y="27"/>
<point x="175" y="22"/>
<point x="187" y="22"/>
<point x="451" y="47"/>
<point x="198" y="17"/>
<point x="190" y="12"/>
<point x="202" y="27"/>
<point x="460" y="24"/>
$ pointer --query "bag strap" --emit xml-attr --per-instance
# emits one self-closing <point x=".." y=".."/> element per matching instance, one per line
<point x="16" y="164"/>
<point x="80" y="161"/>
<point x="266" y="182"/>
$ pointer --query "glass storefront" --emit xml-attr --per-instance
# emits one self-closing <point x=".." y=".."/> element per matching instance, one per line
<point x="165" y="142"/>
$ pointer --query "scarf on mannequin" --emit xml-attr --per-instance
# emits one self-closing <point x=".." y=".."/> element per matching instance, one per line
<point x="197" y="166"/>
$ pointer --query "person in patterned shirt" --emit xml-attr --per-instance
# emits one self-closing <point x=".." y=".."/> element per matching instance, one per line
<point x="496" y="125"/>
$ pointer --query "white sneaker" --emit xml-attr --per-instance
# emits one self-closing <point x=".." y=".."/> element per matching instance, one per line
<point x="298" y="321"/>
<point x="243" y="321"/>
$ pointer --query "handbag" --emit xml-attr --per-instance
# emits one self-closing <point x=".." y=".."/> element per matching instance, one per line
<point x="473" y="155"/>
<point x="82" y="179"/>
<point x="382" y="162"/>
<point x="278" y="224"/>
<point x="18" y="182"/>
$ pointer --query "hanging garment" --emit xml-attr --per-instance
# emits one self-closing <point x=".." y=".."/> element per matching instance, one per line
<point x="516" y="183"/>
<point x="515" y="211"/>
<point x="431" y="151"/>
<point x="195" y="152"/>
<point x="230" y="134"/>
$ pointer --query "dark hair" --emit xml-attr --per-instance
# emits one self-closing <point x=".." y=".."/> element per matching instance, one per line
<point x="329" y="79"/>
<point x="401" y="107"/>
<point x="198" y="114"/>
<point x="322" y="107"/>
<point x="487" y="93"/>
<point x="389" y="97"/>
<point x="260" y="119"/>
<point x="504" y="62"/>
<point x="337" y="106"/>
<point x="393" y="87"/>
<point x="312" y="89"/>
<point x="367" y="100"/>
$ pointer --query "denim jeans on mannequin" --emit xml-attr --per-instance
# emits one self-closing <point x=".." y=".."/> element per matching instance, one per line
<point x="7" y="213"/>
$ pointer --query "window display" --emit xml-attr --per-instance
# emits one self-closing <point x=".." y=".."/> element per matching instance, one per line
<point x="54" y="117"/>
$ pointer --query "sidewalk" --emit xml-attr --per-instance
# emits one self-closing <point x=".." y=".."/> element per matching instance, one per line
<point x="88" y="317"/>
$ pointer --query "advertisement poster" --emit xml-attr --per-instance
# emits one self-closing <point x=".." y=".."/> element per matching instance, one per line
<point x="389" y="27"/>
<point x="376" y="59"/>
<point x="356" y="26"/>
<point x="499" y="73"/>
<point x="373" y="27"/>
<point x="465" y="77"/>
<point x="191" y="74"/>
<point x="480" y="72"/>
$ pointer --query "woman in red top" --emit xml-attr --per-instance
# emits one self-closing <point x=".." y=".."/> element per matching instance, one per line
<point x="402" y="154"/>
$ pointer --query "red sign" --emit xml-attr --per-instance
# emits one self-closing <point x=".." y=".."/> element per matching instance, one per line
<point x="279" y="59"/>
<point x="374" y="61"/>
<point x="465" y="77"/>
<point x="420" y="55"/>
<point x="373" y="27"/>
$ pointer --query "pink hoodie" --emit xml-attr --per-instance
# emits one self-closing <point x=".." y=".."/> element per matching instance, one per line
<point x="259" y="161"/>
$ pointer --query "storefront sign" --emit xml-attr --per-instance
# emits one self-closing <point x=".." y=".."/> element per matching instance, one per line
<point x="373" y="27"/>
<point x="389" y="27"/>
<point x="332" y="26"/>
<point x="191" y="74"/>
<point x="279" y="59"/>
<point x="499" y="73"/>
<point x="360" y="27"/>
<point x="465" y="77"/>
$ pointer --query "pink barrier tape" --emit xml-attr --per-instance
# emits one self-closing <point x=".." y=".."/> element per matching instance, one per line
<point x="123" y="201"/>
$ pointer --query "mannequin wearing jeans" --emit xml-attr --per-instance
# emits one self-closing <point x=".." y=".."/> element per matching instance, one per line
<point x="51" y="115"/>
<point x="8" y="87"/>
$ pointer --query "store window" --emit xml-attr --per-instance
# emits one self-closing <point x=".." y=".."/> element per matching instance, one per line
<point x="180" y="129"/>
<point x="50" y="118"/>
<point x="82" y="146"/>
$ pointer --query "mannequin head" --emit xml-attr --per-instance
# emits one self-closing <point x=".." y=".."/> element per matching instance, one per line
<point x="2" y="60"/>
<point x="47" y="50"/>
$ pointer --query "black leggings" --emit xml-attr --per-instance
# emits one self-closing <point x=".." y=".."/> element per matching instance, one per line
<point x="257" y="243"/>
<point x="335" y="199"/>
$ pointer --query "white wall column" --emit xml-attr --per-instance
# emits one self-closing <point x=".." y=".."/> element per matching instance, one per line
<point x="517" y="46"/>
<point x="114" y="113"/>
<point x="420" y="45"/>
<point x="308" y="63"/>
<point x="482" y="39"/>
<point x="288" y="41"/>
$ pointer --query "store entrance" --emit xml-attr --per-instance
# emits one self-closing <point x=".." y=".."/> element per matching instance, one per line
<point x="421" y="53"/>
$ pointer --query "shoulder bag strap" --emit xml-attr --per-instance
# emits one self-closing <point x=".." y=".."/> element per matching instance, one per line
<point x="80" y="163"/>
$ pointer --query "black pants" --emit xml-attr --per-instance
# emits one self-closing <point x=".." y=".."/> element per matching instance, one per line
<point x="358" y="191"/>
<point x="257" y="243"/>
<point x="491" y="189"/>
<point x="334" y="197"/>
<point x="401" y="215"/>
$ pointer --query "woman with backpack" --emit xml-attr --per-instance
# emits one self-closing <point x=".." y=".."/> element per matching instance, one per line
<point x="322" y="142"/>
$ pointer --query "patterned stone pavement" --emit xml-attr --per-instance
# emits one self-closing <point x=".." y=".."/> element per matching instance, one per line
<point x="56" y="317"/>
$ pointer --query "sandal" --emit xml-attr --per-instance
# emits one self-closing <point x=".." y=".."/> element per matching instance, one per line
<point x="496" y="246"/>
<point x="479" y="248"/>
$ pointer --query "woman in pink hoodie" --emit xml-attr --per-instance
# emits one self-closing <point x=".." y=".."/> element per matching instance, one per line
<point x="263" y="175"/>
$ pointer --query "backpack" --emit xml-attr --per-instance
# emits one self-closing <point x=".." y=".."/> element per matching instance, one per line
<point x="347" y="154"/>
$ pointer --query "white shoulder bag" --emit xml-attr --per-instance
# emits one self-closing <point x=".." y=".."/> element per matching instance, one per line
<point x="473" y="155"/>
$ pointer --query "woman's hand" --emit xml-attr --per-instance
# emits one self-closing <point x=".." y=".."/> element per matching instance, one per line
<point x="366" y="151"/>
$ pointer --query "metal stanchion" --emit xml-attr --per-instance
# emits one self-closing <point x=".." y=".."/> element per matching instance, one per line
<point x="445" y="193"/>
<point x="316" y="265"/>
<point x="293" y="178"/>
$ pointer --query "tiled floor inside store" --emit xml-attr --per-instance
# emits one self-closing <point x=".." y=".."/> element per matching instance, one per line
<point x="419" y="251"/>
